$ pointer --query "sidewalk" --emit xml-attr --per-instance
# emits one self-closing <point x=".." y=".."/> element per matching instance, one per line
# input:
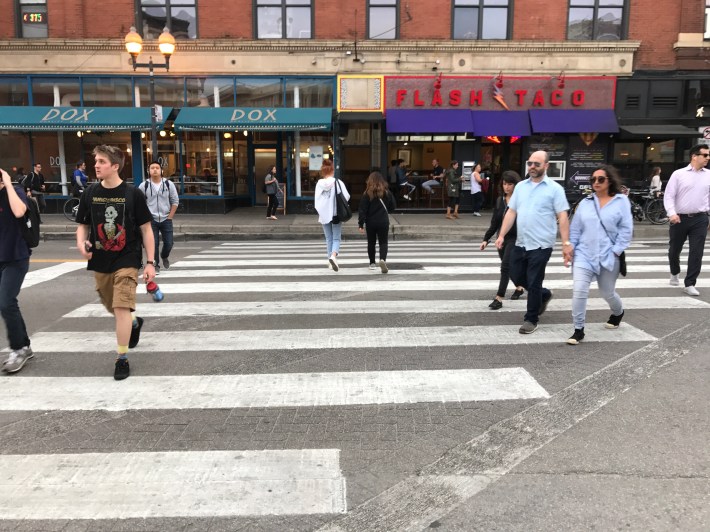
<point x="251" y="224"/>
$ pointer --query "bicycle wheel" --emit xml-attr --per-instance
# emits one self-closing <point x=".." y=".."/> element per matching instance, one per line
<point x="656" y="212"/>
<point x="70" y="208"/>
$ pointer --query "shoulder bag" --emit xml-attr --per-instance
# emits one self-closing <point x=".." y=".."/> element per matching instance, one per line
<point x="622" y="257"/>
<point x="342" y="209"/>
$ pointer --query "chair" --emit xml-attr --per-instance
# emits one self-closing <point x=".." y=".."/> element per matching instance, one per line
<point x="439" y="194"/>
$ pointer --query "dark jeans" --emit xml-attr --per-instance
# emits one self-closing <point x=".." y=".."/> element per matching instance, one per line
<point x="272" y="205"/>
<point x="477" y="201"/>
<point x="40" y="201"/>
<point x="504" y="255"/>
<point x="373" y="234"/>
<point x="527" y="268"/>
<point x="11" y="276"/>
<point x="166" y="231"/>
<point x="694" y="229"/>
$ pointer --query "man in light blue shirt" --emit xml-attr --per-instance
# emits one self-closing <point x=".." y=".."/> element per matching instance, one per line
<point x="538" y="203"/>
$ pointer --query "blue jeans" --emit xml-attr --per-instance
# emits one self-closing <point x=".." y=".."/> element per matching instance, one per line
<point x="606" y="280"/>
<point x="166" y="231"/>
<point x="332" y="237"/>
<point x="527" y="268"/>
<point x="11" y="276"/>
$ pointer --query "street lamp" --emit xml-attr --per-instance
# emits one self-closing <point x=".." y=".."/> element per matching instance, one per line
<point x="166" y="45"/>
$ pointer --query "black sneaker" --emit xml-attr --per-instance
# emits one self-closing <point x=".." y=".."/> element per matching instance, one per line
<point x="135" y="334"/>
<point x="495" y="305"/>
<point x="517" y="294"/>
<point x="543" y="307"/>
<point x="614" y="321"/>
<point x="166" y="263"/>
<point x="122" y="369"/>
<point x="577" y="337"/>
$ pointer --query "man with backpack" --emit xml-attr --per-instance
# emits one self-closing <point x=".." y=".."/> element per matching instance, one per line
<point x="14" y="264"/>
<point x="114" y="221"/>
<point x="34" y="186"/>
<point x="162" y="198"/>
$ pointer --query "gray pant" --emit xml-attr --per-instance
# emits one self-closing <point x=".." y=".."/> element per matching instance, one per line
<point x="606" y="280"/>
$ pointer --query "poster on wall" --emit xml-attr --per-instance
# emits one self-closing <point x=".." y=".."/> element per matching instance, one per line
<point x="315" y="158"/>
<point x="587" y="151"/>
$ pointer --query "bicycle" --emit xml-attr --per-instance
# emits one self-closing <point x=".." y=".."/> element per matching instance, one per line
<point x="648" y="207"/>
<point x="71" y="206"/>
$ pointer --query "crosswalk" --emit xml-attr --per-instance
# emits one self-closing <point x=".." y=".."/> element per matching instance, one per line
<point x="249" y="329"/>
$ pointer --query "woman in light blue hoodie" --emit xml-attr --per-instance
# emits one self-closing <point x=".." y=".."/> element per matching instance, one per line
<point x="600" y="232"/>
<point x="325" y="206"/>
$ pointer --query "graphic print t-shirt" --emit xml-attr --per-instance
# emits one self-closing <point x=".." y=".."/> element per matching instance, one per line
<point x="113" y="234"/>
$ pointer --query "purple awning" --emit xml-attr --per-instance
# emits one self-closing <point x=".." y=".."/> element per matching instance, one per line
<point x="429" y="121"/>
<point x="501" y="123"/>
<point x="573" y="121"/>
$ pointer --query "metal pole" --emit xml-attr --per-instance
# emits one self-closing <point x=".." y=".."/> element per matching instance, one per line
<point x="153" y="117"/>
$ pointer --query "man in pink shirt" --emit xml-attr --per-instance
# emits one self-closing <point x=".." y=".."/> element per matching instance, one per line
<point x="687" y="202"/>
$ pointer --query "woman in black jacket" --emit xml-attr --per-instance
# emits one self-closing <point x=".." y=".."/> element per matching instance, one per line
<point x="508" y="181"/>
<point x="375" y="205"/>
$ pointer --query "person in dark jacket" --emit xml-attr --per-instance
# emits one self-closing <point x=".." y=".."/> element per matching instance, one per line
<point x="453" y="189"/>
<point x="271" y="184"/>
<point x="508" y="182"/>
<point x="375" y="205"/>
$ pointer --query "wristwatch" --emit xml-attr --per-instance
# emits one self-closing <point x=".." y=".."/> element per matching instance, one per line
<point x="153" y="263"/>
<point x="567" y="243"/>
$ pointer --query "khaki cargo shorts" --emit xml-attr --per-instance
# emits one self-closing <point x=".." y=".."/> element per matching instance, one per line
<point x="117" y="289"/>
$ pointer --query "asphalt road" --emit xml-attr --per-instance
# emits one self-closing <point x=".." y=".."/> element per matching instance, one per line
<point x="270" y="393"/>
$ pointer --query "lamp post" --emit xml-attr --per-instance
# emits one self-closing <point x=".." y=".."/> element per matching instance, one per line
<point x="166" y="45"/>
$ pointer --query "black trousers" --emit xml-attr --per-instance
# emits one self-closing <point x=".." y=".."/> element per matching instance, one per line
<point x="272" y="206"/>
<point x="504" y="253"/>
<point x="694" y="229"/>
<point x="373" y="234"/>
<point x="527" y="268"/>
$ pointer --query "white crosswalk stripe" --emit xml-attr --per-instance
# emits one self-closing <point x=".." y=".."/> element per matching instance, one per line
<point x="276" y="282"/>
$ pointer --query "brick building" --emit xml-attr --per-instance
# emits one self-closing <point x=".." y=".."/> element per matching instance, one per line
<point x="253" y="82"/>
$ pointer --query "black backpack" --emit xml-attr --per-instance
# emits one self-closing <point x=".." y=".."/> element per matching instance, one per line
<point x="29" y="223"/>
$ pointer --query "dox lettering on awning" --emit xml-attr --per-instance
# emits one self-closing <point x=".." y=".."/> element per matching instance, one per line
<point x="253" y="118"/>
<point x="76" y="118"/>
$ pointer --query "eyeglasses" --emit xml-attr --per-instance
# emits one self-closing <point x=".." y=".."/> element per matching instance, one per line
<point x="534" y="163"/>
<point x="706" y="155"/>
<point x="598" y="179"/>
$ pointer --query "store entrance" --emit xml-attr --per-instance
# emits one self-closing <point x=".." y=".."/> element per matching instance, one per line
<point x="497" y="156"/>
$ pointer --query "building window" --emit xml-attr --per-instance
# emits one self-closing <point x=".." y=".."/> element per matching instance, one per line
<point x="596" y="20"/>
<point x="179" y="16"/>
<point x="707" y="19"/>
<point x="284" y="19"/>
<point x="382" y="19"/>
<point x="32" y="19"/>
<point x="481" y="19"/>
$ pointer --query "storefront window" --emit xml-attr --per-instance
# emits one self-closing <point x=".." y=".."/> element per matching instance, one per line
<point x="661" y="152"/>
<point x="628" y="152"/>
<point x="267" y="92"/>
<point x="169" y="92"/>
<point x="235" y="169"/>
<point x="32" y="19"/>
<point x="15" y="151"/>
<point x="308" y="142"/>
<point x="200" y="160"/>
<point x="283" y="19"/>
<point x="107" y="92"/>
<point x="46" y="92"/>
<point x="13" y="91"/>
<point x="210" y="92"/>
<point x="596" y="20"/>
<point x="311" y="93"/>
<point x="481" y="19"/>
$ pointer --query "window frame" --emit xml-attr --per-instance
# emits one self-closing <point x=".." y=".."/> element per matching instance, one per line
<point x="18" y="22"/>
<point x="597" y="5"/>
<point x="283" y="5"/>
<point x="397" y="21"/>
<point x="168" y="7"/>
<point x="481" y="7"/>
<point x="706" y="32"/>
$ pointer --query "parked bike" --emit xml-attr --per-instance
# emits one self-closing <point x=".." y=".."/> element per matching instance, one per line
<point x="71" y="206"/>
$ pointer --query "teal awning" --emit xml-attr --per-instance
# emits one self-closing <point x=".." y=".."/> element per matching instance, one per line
<point x="253" y="118"/>
<point x="77" y="118"/>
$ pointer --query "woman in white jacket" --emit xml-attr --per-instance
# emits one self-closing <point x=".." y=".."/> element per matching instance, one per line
<point x="325" y="205"/>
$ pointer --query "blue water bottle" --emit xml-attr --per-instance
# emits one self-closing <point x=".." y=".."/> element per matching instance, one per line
<point x="154" y="291"/>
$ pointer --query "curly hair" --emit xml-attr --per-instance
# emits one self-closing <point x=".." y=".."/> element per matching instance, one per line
<point x="612" y="174"/>
<point x="375" y="186"/>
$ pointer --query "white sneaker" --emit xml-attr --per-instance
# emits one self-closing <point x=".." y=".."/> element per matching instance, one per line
<point x="333" y="263"/>
<point x="373" y="266"/>
<point x="406" y="197"/>
<point x="674" y="281"/>
<point x="383" y="266"/>
<point x="330" y="266"/>
<point x="691" y="291"/>
<point x="476" y="213"/>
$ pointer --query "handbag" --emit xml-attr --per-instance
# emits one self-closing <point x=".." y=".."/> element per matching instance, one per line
<point x="622" y="257"/>
<point x="342" y="209"/>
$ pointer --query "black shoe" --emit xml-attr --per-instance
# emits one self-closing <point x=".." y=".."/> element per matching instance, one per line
<point x="543" y="307"/>
<point x="495" y="305"/>
<point x="135" y="334"/>
<point x="122" y="369"/>
<point x="577" y="337"/>
<point x="614" y="321"/>
<point x="166" y="263"/>
<point x="516" y="295"/>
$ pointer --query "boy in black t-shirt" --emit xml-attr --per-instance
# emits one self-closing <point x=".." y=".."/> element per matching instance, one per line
<point x="110" y="214"/>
